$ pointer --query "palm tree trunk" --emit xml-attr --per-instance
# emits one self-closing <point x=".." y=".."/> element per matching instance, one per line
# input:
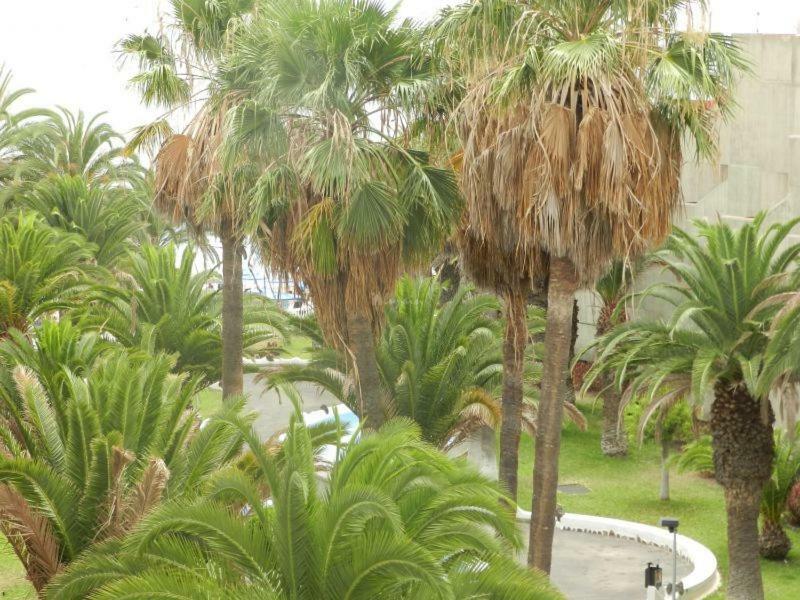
<point x="232" y="313"/>
<point x="364" y="365"/>
<point x="569" y="395"/>
<point x="664" y="495"/>
<point x="516" y="338"/>
<point x="558" y="333"/>
<point x="613" y="441"/>
<point x="743" y="453"/>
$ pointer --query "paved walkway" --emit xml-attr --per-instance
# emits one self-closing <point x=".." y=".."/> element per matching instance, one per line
<point x="585" y="566"/>
<point x="598" y="567"/>
<point x="273" y="411"/>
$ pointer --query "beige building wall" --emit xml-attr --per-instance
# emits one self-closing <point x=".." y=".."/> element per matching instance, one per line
<point x="758" y="168"/>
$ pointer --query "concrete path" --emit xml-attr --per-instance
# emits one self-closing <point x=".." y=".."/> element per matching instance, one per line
<point x="596" y="567"/>
<point x="274" y="411"/>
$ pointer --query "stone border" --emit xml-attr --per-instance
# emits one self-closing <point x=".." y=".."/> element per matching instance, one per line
<point x="701" y="582"/>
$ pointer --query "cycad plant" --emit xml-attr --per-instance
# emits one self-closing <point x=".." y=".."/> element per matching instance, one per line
<point x="394" y="519"/>
<point x="440" y="363"/>
<point x="571" y="127"/>
<point x="163" y="301"/>
<point x="41" y="270"/>
<point x="347" y="201"/>
<point x="56" y="351"/>
<point x="16" y="125"/>
<point x="69" y="144"/>
<point x="717" y="351"/>
<point x="774" y="543"/>
<point x="111" y="219"/>
<point x="87" y="464"/>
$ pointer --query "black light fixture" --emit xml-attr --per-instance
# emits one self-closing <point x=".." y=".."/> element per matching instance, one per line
<point x="652" y="576"/>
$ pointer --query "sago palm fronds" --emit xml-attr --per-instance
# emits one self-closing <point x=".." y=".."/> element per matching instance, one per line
<point x="110" y="218"/>
<point x="86" y="465"/>
<point x="41" y="269"/>
<point x="394" y="519"/>
<point x="164" y="302"/>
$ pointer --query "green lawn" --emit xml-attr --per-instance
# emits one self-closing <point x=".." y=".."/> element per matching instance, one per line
<point x="208" y="402"/>
<point x="298" y="346"/>
<point x="629" y="488"/>
<point x="13" y="584"/>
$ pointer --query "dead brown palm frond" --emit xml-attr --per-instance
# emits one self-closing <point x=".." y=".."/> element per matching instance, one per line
<point x="30" y="536"/>
<point x="147" y="493"/>
<point x="112" y="516"/>
<point x="188" y="167"/>
<point x="572" y="414"/>
<point x="481" y="410"/>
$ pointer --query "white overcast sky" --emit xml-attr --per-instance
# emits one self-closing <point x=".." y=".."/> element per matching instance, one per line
<point x="65" y="49"/>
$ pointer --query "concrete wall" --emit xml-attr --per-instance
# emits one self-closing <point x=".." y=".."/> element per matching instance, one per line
<point x="759" y="159"/>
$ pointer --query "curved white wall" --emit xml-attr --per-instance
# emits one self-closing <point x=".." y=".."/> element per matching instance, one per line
<point x="701" y="582"/>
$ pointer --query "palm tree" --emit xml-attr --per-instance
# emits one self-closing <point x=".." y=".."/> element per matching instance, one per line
<point x="110" y="219"/>
<point x="439" y="362"/>
<point x="195" y="185"/>
<point x="72" y="145"/>
<point x="346" y="202"/>
<point x="163" y="302"/>
<point x="573" y="120"/>
<point x="41" y="269"/>
<point x="88" y="464"/>
<point x="396" y="519"/>
<point x="717" y="351"/>
<point x="15" y="127"/>
<point x="774" y="543"/>
<point x="612" y="288"/>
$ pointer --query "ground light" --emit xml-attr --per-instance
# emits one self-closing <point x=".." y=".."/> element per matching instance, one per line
<point x="674" y="589"/>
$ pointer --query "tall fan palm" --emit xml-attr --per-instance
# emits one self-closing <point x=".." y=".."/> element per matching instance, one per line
<point x="347" y="202"/>
<point x="439" y="362"/>
<point x="88" y="464"/>
<point x="164" y="302"/>
<point x="41" y="268"/>
<point x="716" y="351"/>
<point x="194" y="185"/>
<point x="396" y="519"/>
<point x="110" y="219"/>
<point x="572" y="123"/>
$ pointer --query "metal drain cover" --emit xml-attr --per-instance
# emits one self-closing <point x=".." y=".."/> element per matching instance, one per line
<point x="573" y="488"/>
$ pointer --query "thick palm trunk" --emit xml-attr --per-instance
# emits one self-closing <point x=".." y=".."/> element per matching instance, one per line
<point x="364" y="367"/>
<point x="232" y="314"/>
<point x="558" y="335"/>
<point x="513" y="363"/>
<point x="743" y="453"/>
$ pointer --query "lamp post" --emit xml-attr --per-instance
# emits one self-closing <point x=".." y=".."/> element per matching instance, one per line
<point x="671" y="523"/>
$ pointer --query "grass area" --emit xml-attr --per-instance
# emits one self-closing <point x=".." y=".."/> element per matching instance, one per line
<point x="628" y="488"/>
<point x="208" y="402"/>
<point x="298" y="346"/>
<point x="13" y="585"/>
